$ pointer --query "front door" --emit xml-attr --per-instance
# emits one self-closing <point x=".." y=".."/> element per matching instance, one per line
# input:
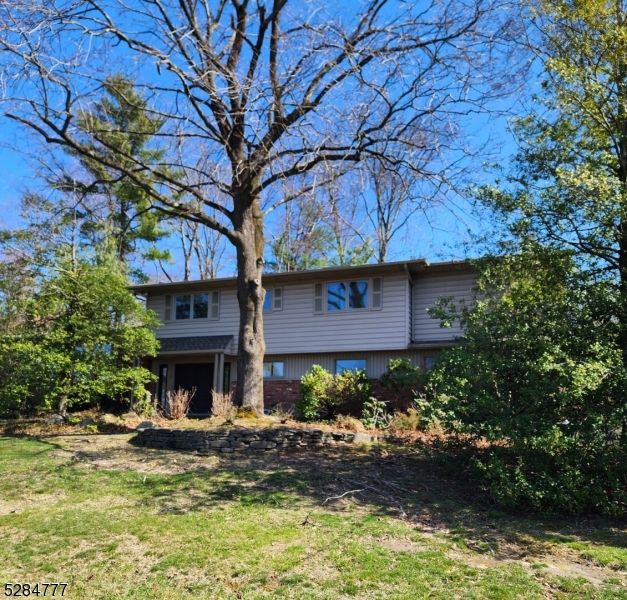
<point x="198" y="376"/>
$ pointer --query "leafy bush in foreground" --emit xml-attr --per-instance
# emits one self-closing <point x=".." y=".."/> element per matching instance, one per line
<point x="325" y="396"/>
<point x="539" y="376"/>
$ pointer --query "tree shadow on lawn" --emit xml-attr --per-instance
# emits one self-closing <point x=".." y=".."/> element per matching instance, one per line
<point x="425" y="488"/>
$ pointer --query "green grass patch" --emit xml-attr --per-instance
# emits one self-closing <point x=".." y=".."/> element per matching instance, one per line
<point x="263" y="528"/>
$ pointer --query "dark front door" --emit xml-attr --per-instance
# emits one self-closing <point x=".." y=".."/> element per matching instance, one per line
<point x="198" y="376"/>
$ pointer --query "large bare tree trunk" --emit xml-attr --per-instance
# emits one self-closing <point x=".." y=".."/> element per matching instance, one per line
<point x="250" y="296"/>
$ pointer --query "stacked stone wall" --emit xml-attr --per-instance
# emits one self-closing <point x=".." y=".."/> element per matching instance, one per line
<point x="246" y="440"/>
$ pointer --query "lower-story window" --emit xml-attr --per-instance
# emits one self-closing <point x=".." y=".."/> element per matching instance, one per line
<point x="429" y="361"/>
<point x="350" y="364"/>
<point x="273" y="369"/>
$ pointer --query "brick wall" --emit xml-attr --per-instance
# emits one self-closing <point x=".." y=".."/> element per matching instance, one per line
<point x="285" y="393"/>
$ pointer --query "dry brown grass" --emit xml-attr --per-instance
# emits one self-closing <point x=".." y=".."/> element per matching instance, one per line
<point x="349" y="423"/>
<point x="179" y="401"/>
<point x="405" y="422"/>
<point x="222" y="405"/>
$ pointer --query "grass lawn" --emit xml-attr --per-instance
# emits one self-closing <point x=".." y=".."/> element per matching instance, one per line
<point x="116" y="521"/>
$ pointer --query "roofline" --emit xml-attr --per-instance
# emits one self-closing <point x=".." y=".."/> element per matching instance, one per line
<point x="414" y="267"/>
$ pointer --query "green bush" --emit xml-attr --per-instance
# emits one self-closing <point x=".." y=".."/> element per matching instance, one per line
<point x="314" y="387"/>
<point x="374" y="414"/>
<point x="540" y="378"/>
<point x="324" y="396"/>
<point x="349" y="391"/>
<point x="402" y="375"/>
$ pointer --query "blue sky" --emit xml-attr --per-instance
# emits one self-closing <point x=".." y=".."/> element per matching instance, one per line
<point x="438" y="237"/>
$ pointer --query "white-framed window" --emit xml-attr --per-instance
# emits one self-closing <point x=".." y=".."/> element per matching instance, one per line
<point x="273" y="300"/>
<point x="202" y="305"/>
<point x="273" y="370"/>
<point x="360" y="294"/>
<point x="350" y="364"/>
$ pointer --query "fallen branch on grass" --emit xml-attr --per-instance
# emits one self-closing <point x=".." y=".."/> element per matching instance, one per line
<point x="383" y="494"/>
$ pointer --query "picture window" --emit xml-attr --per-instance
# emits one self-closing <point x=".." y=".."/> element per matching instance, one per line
<point x="351" y="295"/>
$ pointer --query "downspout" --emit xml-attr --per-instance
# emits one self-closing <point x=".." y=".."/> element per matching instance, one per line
<point x="410" y="299"/>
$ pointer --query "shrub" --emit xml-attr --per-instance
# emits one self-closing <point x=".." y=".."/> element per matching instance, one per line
<point x="222" y="404"/>
<point x="324" y="396"/>
<point x="540" y="382"/>
<point x="314" y="387"/>
<point x="406" y="422"/>
<point x="374" y="414"/>
<point x="349" y="423"/>
<point x="348" y="393"/>
<point x="179" y="401"/>
<point x="402" y="375"/>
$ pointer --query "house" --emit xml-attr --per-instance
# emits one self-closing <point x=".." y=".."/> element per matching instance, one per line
<point x="344" y="317"/>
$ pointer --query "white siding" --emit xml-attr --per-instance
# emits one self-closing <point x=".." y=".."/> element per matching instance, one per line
<point x="296" y="329"/>
<point x="427" y="290"/>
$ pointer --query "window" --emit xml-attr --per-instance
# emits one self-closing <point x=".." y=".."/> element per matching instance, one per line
<point x="267" y="302"/>
<point x="273" y="299"/>
<point x="429" y="361"/>
<point x="183" y="306"/>
<point x="350" y="364"/>
<point x="273" y="369"/>
<point x="351" y="295"/>
<point x="195" y="306"/>
<point x="336" y="296"/>
<point x="201" y="306"/>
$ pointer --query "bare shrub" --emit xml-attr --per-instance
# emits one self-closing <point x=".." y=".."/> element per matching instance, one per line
<point x="222" y="405"/>
<point x="284" y="415"/>
<point x="349" y="423"/>
<point x="179" y="401"/>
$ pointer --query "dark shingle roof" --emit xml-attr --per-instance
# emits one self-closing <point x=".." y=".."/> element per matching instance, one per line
<point x="195" y="343"/>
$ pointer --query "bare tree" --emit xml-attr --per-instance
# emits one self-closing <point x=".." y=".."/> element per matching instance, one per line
<point x="250" y="94"/>
<point x="391" y="196"/>
<point x="204" y="245"/>
<point x="348" y="243"/>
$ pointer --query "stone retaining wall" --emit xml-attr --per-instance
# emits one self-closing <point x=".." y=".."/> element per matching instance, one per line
<point x="246" y="440"/>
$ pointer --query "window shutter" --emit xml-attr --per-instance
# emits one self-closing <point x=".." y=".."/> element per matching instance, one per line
<point x="278" y="299"/>
<point x="318" y="298"/>
<point x="376" y="293"/>
<point x="168" y="308"/>
<point x="215" y="306"/>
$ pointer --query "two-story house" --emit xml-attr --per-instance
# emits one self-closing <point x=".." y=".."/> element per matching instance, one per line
<point x="340" y="318"/>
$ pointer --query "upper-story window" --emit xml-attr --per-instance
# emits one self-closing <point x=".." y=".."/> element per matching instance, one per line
<point x="351" y="294"/>
<point x="193" y="306"/>
<point x="364" y="294"/>
<point x="273" y="300"/>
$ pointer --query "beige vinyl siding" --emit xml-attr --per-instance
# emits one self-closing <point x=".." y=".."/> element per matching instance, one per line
<point x="296" y="328"/>
<point x="427" y="290"/>
<point x="227" y="324"/>
<point x="296" y="365"/>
